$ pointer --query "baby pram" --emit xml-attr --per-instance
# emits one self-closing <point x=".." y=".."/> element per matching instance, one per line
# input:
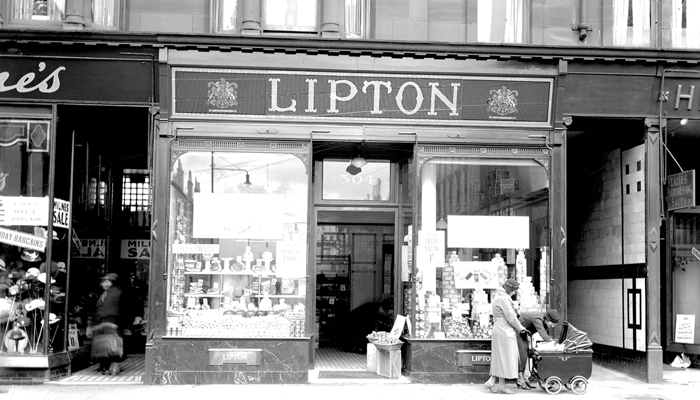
<point x="570" y="368"/>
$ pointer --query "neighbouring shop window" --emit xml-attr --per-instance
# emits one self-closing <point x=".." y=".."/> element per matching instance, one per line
<point x="685" y="24"/>
<point x="26" y="276"/>
<point x="39" y="10"/>
<point x="237" y="245"/>
<point x="480" y="221"/>
<point x="501" y="21"/>
<point x="631" y="22"/>
<point x="106" y="12"/>
<point x="686" y="275"/>
<point x="290" y="15"/>
<point x="344" y="181"/>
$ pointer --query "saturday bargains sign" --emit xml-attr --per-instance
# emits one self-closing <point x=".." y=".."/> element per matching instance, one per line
<point x="369" y="97"/>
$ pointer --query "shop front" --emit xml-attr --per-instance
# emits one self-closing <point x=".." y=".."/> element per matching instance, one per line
<point x="292" y="198"/>
<point x="73" y="126"/>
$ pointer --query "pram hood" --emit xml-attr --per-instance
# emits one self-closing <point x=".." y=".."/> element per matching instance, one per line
<point x="574" y="340"/>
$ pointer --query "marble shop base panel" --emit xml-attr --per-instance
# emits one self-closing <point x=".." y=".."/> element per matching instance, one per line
<point x="237" y="378"/>
<point x="447" y="378"/>
<point x="194" y="361"/>
<point x="438" y="361"/>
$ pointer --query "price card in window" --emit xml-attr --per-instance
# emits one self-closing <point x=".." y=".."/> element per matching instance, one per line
<point x="397" y="329"/>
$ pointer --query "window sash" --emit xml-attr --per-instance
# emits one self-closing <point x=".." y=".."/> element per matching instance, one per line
<point x="631" y="22"/>
<point x="685" y="24"/>
<point x="355" y="17"/>
<point x="501" y="21"/>
<point x="226" y="15"/>
<point x="41" y="10"/>
<point x="290" y="15"/>
<point x="106" y="12"/>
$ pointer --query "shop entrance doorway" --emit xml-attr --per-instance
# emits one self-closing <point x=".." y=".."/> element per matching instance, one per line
<point x="355" y="264"/>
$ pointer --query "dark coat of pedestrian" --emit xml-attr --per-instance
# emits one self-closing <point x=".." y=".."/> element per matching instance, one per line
<point x="107" y="344"/>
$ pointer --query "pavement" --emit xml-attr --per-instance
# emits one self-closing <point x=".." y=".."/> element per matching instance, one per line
<point x="604" y="384"/>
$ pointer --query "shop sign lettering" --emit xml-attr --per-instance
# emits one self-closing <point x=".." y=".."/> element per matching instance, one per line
<point x="22" y="239"/>
<point x="61" y="213"/>
<point x="92" y="248"/>
<point x="136" y="249"/>
<point x="293" y="95"/>
<point x="680" y="190"/>
<point x="683" y="97"/>
<point x="235" y="356"/>
<point x="26" y="211"/>
<point x="49" y="84"/>
<point x="466" y="358"/>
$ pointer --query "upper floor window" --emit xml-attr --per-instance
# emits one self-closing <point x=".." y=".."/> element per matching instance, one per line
<point x="631" y="22"/>
<point x="685" y="24"/>
<point x="106" y="13"/>
<point x="501" y="21"/>
<point x="355" y="18"/>
<point x="226" y="15"/>
<point x="290" y="15"/>
<point x="39" y="10"/>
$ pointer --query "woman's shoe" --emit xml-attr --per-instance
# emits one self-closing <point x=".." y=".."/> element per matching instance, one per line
<point x="527" y="382"/>
<point x="504" y="390"/>
<point x="490" y="387"/>
<point x="522" y="385"/>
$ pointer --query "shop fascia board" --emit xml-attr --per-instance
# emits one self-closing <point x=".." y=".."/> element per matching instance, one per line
<point x="373" y="133"/>
<point x="346" y="63"/>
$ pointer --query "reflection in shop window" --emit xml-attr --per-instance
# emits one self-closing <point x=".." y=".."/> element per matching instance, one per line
<point x="480" y="222"/>
<point x="136" y="199"/>
<point x="341" y="181"/>
<point x="47" y="10"/>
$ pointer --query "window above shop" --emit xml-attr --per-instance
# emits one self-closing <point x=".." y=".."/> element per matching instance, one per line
<point x="289" y="16"/>
<point x="52" y="14"/>
<point x="502" y="21"/>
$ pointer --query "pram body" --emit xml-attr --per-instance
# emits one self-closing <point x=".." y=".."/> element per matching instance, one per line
<point x="571" y="369"/>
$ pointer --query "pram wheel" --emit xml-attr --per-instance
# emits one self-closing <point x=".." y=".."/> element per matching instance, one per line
<point x="552" y="385"/>
<point x="579" y="385"/>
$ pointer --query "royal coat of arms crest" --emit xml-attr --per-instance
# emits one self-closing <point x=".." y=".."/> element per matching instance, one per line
<point x="503" y="101"/>
<point x="222" y="94"/>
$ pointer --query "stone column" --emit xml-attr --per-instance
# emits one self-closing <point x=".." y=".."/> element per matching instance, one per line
<point x="653" y="211"/>
<point x="252" y="15"/>
<point x="75" y="20"/>
<point x="331" y="14"/>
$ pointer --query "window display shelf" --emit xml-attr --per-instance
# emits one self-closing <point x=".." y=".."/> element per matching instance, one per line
<point x="228" y="273"/>
<point x="203" y="295"/>
<point x="280" y="296"/>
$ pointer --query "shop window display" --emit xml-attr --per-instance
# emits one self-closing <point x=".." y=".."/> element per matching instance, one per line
<point x="480" y="221"/>
<point x="237" y="245"/>
<point x="32" y="288"/>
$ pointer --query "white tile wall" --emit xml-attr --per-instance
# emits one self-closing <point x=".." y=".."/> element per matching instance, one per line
<point x="633" y="179"/>
<point x="596" y="307"/>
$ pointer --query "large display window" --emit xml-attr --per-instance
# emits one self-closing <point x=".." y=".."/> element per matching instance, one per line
<point x="480" y="220"/>
<point x="32" y="282"/>
<point x="237" y="253"/>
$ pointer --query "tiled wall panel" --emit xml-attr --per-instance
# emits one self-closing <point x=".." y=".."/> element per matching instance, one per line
<point x="633" y="205"/>
<point x="595" y="306"/>
<point x="599" y="239"/>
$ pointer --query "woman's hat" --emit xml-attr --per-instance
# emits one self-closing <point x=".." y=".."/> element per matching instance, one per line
<point x="42" y="278"/>
<point x="34" y="304"/>
<point x="52" y="319"/>
<point x="32" y="273"/>
<point x="24" y="321"/>
<point x="110" y="277"/>
<point x="2" y="264"/>
<point x="511" y="284"/>
<point x="32" y="255"/>
<point x="553" y="315"/>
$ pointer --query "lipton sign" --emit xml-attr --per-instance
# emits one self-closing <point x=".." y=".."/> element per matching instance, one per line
<point x="291" y="95"/>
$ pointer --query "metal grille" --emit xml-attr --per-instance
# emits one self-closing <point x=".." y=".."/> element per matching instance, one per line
<point x="240" y="145"/>
<point x="482" y="151"/>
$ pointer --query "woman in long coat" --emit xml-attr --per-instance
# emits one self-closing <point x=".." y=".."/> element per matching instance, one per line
<point x="504" y="341"/>
<point x="107" y="346"/>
